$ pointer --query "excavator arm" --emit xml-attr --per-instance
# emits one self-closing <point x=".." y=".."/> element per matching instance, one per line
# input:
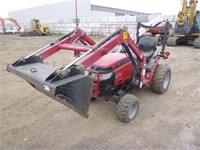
<point x="186" y="17"/>
<point x="14" y="21"/>
<point x="2" y="20"/>
<point x="187" y="27"/>
<point x="188" y="12"/>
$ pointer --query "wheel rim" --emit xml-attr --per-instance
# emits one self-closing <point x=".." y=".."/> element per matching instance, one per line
<point x="133" y="110"/>
<point x="166" y="80"/>
<point x="160" y="40"/>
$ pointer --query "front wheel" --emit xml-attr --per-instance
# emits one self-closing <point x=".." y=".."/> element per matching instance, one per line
<point x="161" y="79"/>
<point x="127" y="108"/>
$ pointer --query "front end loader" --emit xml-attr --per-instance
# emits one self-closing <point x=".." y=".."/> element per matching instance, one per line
<point x="97" y="72"/>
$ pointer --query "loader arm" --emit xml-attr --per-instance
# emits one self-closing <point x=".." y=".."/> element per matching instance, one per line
<point x="120" y="37"/>
<point x="70" y="38"/>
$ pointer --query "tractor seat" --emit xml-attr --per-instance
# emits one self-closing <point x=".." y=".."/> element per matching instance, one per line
<point x="147" y="45"/>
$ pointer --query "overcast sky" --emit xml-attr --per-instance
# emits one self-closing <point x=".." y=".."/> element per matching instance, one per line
<point x="148" y="6"/>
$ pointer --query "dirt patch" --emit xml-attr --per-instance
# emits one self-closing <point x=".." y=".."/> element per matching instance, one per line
<point x="31" y="120"/>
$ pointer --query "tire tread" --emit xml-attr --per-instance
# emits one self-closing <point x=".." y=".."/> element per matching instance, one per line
<point x="124" y="105"/>
<point x="158" y="77"/>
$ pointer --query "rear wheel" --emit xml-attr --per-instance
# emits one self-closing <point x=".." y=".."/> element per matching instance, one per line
<point x="127" y="108"/>
<point x="161" y="79"/>
<point x="158" y="39"/>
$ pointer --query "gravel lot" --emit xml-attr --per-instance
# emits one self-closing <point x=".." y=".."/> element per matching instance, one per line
<point x="31" y="120"/>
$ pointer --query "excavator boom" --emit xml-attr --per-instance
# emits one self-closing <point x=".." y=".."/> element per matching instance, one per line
<point x="2" y="20"/>
<point x="14" y="21"/>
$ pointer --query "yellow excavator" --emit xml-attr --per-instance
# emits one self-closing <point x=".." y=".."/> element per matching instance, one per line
<point x="187" y="27"/>
<point x="37" y="29"/>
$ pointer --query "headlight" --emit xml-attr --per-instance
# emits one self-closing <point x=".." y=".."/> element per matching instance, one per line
<point x="105" y="76"/>
<point x="102" y="76"/>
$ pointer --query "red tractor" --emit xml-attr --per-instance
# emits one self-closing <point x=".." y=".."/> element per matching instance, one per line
<point x="97" y="72"/>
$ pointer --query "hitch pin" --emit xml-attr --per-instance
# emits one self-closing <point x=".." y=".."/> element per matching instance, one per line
<point x="33" y="70"/>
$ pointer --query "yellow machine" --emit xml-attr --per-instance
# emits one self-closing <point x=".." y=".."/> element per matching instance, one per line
<point x="37" y="29"/>
<point x="187" y="27"/>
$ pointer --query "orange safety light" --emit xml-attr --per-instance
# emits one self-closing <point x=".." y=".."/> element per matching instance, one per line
<point x="167" y="54"/>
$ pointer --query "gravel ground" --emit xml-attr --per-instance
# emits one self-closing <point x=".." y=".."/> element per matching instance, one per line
<point x="31" y="120"/>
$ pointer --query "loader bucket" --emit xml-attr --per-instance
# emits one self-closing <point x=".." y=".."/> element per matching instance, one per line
<point x="73" y="91"/>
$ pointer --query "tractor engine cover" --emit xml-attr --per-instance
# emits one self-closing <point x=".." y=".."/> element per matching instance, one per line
<point x="115" y="69"/>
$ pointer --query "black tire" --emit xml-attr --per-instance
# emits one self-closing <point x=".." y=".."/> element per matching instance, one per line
<point x="197" y="43"/>
<point x="158" y="39"/>
<point x="161" y="79"/>
<point x="172" y="41"/>
<point x="127" y="108"/>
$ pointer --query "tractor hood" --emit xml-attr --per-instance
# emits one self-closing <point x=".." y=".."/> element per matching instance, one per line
<point x="110" y="60"/>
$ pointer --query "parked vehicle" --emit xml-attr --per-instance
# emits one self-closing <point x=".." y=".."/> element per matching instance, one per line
<point x="37" y="29"/>
<point x="12" y="30"/>
<point x="97" y="73"/>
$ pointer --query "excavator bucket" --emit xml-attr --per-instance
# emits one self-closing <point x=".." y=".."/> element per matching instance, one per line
<point x="73" y="89"/>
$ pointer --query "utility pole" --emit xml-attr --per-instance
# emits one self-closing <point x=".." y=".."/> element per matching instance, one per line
<point x="76" y="13"/>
